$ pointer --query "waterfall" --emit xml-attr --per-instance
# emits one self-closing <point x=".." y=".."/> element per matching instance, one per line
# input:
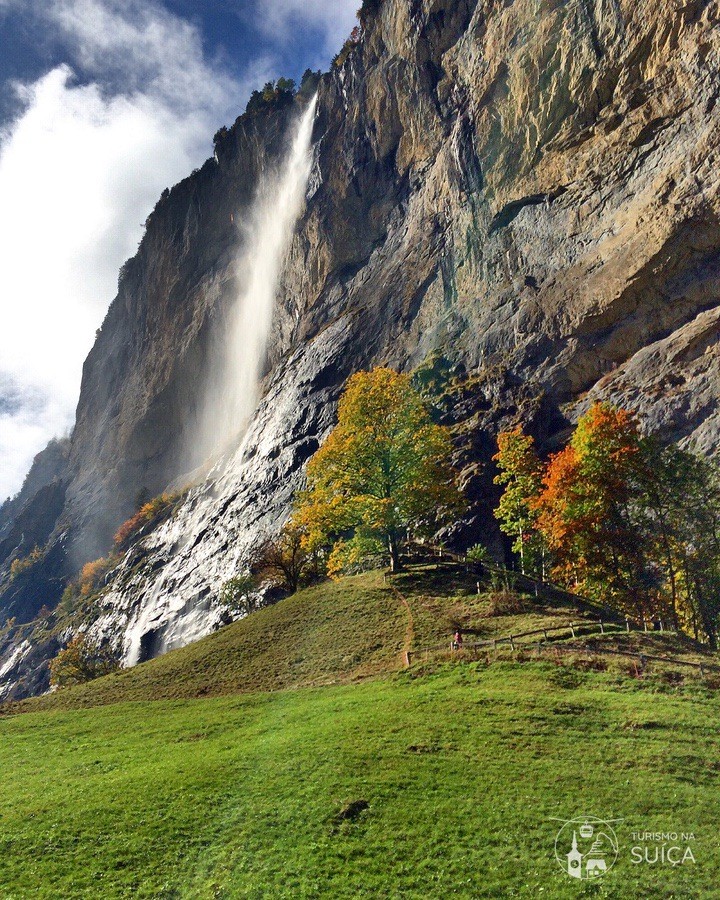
<point x="234" y="380"/>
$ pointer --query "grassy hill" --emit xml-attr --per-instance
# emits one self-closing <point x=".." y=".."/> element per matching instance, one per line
<point x="441" y="779"/>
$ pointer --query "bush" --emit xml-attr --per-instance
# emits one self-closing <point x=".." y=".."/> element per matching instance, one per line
<point x="92" y="573"/>
<point x="368" y="10"/>
<point x="309" y="83"/>
<point x="478" y="553"/>
<point x="81" y="661"/>
<point x="504" y="603"/>
<point x="281" y="92"/>
<point x="146" y="518"/>
<point x="360" y="554"/>
<point x="286" y="560"/>
<point x="236" y="594"/>
<point x="24" y="563"/>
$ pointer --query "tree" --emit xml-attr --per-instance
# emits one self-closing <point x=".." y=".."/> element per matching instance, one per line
<point x="681" y="493"/>
<point x="286" y="559"/>
<point x="383" y="469"/>
<point x="587" y="511"/>
<point x="368" y="9"/>
<point x="626" y="519"/>
<point x="237" y="594"/>
<point x="22" y="564"/>
<point x="81" y="661"/>
<point x="521" y="473"/>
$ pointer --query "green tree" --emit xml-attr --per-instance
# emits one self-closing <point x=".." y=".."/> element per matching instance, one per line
<point x="384" y="468"/>
<point x="237" y="594"/>
<point x="521" y="472"/>
<point x="681" y="510"/>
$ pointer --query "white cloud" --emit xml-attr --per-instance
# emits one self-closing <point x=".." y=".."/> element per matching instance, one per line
<point x="79" y="172"/>
<point x="335" y="19"/>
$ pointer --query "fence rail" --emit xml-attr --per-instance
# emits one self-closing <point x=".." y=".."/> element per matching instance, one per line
<point x="513" y="640"/>
<point x="537" y="586"/>
<point x="582" y="627"/>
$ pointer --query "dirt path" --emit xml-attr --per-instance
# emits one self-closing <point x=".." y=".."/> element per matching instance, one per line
<point x="409" y="631"/>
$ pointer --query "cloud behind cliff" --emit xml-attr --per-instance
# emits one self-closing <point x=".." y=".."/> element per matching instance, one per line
<point x="130" y="109"/>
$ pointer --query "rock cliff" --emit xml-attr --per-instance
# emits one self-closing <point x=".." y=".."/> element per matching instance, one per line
<point x="526" y="188"/>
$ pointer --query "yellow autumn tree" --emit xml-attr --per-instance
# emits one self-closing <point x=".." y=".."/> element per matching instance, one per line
<point x="384" y="469"/>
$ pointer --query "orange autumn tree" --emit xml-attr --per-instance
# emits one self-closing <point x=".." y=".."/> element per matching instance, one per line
<point x="384" y="468"/>
<point x="588" y="508"/>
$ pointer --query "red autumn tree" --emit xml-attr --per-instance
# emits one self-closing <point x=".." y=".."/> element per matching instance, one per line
<point x="587" y="509"/>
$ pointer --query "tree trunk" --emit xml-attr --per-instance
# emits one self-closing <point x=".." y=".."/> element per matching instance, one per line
<point x="394" y="549"/>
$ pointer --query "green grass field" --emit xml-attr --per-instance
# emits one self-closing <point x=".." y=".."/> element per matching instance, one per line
<point x="463" y="767"/>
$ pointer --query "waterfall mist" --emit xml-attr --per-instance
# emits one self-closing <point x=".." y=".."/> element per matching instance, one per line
<point x="233" y="385"/>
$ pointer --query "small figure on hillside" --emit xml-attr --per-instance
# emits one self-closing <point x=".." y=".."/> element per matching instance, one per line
<point x="457" y="640"/>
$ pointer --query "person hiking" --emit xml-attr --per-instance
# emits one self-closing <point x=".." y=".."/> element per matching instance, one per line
<point x="457" y="640"/>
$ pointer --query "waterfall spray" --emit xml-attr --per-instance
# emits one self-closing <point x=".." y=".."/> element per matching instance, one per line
<point x="234" y="384"/>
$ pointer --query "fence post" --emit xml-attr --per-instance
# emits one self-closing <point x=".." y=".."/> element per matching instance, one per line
<point x="478" y="587"/>
<point x="512" y="642"/>
<point x="572" y="629"/>
<point x="602" y="627"/>
<point x="545" y="633"/>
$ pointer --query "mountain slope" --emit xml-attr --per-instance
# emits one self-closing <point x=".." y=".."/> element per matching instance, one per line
<point x="528" y="189"/>
<point x="365" y="625"/>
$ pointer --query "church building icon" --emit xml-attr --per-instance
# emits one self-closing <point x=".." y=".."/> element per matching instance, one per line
<point x="593" y="847"/>
<point x="575" y="859"/>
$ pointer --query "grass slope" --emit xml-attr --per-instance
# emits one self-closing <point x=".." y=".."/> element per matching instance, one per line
<point x="337" y="631"/>
<point x="333" y="633"/>
<point x="462" y="770"/>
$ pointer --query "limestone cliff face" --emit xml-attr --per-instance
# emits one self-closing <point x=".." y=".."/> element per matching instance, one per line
<point x="528" y="186"/>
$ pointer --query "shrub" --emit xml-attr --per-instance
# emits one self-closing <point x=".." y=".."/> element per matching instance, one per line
<point x="285" y="561"/>
<point x="504" y="603"/>
<point x="92" y="574"/>
<point x="479" y="553"/>
<point x="81" y="661"/>
<point x="360" y="554"/>
<point x="147" y="517"/>
<point x="309" y="83"/>
<point x="281" y="91"/>
<point x="368" y="10"/>
<point x="24" y="563"/>
<point x="236" y="594"/>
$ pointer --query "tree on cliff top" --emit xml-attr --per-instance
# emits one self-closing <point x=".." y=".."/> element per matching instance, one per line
<point x="383" y="469"/>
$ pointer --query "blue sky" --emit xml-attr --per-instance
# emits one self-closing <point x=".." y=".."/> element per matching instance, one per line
<point x="289" y="35"/>
<point x="103" y="103"/>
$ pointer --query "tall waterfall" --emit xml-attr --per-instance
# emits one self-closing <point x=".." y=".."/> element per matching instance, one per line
<point x="233" y="388"/>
